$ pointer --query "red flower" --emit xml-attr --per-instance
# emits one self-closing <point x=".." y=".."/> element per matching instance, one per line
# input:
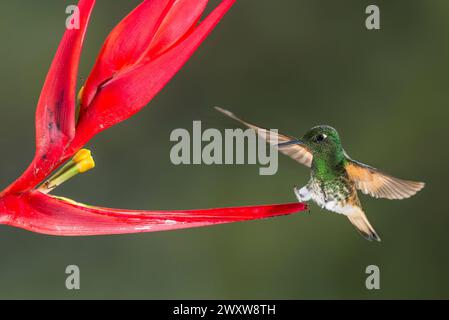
<point x="139" y="57"/>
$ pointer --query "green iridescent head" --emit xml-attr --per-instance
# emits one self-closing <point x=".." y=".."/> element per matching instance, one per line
<point x="323" y="142"/>
<point x="322" y="139"/>
<point x="325" y="145"/>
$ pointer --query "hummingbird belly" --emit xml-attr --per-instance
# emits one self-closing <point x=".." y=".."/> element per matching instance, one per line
<point x="335" y="196"/>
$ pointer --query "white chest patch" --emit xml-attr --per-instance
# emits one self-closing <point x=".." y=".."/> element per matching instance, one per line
<point x="313" y="192"/>
<point x="339" y="208"/>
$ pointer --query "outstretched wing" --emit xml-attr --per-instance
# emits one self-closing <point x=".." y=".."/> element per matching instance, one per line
<point x="294" y="151"/>
<point x="371" y="181"/>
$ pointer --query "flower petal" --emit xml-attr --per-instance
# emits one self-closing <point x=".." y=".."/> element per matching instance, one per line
<point x="41" y="213"/>
<point x="178" y="21"/>
<point x="130" y="91"/>
<point x="151" y="27"/>
<point x="55" y="114"/>
<point x="125" y="45"/>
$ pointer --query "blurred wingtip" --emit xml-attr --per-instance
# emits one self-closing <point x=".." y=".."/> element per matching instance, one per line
<point x="224" y="111"/>
<point x="228" y="114"/>
<point x="413" y="188"/>
<point x="420" y="186"/>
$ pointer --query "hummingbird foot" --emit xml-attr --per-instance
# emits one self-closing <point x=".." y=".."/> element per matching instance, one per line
<point x="302" y="194"/>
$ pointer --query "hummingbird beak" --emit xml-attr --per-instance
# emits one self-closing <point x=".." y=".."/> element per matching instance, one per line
<point x="291" y="142"/>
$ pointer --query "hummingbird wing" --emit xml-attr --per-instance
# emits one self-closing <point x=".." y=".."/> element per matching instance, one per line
<point x="297" y="152"/>
<point x="378" y="184"/>
<point x="358" y="218"/>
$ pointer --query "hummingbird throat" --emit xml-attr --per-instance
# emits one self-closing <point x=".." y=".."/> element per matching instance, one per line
<point x="328" y="166"/>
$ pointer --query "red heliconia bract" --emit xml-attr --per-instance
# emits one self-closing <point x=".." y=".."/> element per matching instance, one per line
<point x="139" y="57"/>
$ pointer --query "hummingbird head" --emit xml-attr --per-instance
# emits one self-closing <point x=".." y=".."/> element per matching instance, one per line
<point x="324" y="144"/>
<point x="322" y="141"/>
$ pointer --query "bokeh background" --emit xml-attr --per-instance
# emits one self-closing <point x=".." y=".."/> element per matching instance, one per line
<point x="287" y="64"/>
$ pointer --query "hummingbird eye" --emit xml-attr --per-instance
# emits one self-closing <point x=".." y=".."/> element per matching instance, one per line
<point x="321" y="137"/>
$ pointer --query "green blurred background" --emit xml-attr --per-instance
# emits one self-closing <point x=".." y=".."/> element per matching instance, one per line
<point x="287" y="64"/>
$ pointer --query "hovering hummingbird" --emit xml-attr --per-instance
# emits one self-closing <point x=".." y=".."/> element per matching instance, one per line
<point x="335" y="177"/>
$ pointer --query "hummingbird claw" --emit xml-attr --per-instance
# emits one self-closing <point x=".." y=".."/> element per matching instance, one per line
<point x="302" y="194"/>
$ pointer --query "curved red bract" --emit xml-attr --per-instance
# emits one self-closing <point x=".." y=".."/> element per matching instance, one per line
<point x="41" y="213"/>
<point x="139" y="57"/>
<point x="55" y="113"/>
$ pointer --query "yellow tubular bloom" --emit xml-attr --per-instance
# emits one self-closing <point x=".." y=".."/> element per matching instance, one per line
<point x="80" y="163"/>
<point x="80" y="93"/>
<point x="82" y="155"/>
<point x="85" y="165"/>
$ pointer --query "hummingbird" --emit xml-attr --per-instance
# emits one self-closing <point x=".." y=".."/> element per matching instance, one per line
<point x="335" y="176"/>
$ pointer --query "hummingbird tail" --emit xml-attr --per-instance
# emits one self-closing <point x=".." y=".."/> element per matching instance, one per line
<point x="361" y="223"/>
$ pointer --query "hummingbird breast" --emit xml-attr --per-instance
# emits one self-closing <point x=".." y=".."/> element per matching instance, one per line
<point x="338" y="195"/>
